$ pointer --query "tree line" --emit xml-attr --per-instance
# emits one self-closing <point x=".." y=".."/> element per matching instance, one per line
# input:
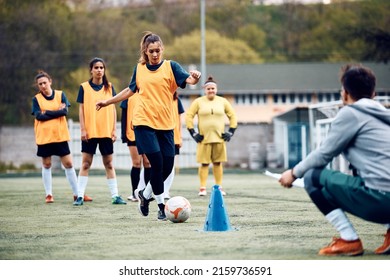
<point x="61" y="38"/>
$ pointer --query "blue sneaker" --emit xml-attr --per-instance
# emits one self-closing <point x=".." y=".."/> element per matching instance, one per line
<point x="79" y="201"/>
<point x="118" y="200"/>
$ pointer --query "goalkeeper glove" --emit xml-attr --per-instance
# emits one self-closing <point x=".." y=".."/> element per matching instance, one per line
<point x="197" y="137"/>
<point x="228" y="135"/>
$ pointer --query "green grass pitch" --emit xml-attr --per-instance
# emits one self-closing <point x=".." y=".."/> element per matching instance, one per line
<point x="270" y="222"/>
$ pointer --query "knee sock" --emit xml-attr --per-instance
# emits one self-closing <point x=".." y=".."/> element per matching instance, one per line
<point x="161" y="207"/>
<point x="147" y="171"/>
<point x="203" y="172"/>
<point x="218" y="174"/>
<point x="159" y="199"/>
<point x="168" y="163"/>
<point x="148" y="191"/>
<point x="141" y="184"/>
<point x="113" y="186"/>
<point x="70" y="174"/>
<point x="168" y="182"/>
<point x="168" y="173"/>
<point x="81" y="185"/>
<point x="47" y="180"/>
<point x="342" y="224"/>
<point x="135" y="177"/>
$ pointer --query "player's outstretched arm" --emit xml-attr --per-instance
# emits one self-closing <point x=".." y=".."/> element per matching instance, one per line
<point x="124" y="94"/>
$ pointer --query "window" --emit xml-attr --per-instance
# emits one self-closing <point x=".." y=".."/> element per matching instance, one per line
<point x="284" y="98"/>
<point x="292" y="98"/>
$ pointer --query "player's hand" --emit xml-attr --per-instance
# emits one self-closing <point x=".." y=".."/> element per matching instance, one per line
<point x="84" y="135"/>
<point x="113" y="136"/>
<point x="287" y="178"/>
<point x="197" y="137"/>
<point x="101" y="104"/>
<point x="195" y="74"/>
<point x="227" y="136"/>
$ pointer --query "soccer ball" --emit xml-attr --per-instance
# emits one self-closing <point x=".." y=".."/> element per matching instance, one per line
<point x="178" y="209"/>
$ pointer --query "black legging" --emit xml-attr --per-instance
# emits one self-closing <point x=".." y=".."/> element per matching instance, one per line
<point x="161" y="167"/>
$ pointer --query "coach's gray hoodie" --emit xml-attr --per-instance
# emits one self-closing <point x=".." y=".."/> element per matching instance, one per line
<point x="361" y="132"/>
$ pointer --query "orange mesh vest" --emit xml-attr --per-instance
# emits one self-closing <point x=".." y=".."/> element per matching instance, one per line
<point x="131" y="104"/>
<point x="54" y="130"/>
<point x="98" y="124"/>
<point x="155" y="105"/>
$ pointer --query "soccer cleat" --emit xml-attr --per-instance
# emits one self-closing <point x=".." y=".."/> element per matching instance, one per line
<point x="118" y="200"/>
<point x="385" y="248"/>
<point x="202" y="192"/>
<point x="86" y="198"/>
<point x="161" y="216"/>
<point x="79" y="201"/>
<point x="143" y="203"/>
<point x="132" y="198"/>
<point x="341" y="247"/>
<point x="49" y="198"/>
<point x="222" y="191"/>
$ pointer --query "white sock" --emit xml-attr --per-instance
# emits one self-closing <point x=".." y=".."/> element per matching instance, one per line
<point x="387" y="226"/>
<point x="141" y="183"/>
<point x="168" y="182"/>
<point x="47" y="180"/>
<point x="113" y="185"/>
<point x="148" y="191"/>
<point x="342" y="224"/>
<point x="159" y="198"/>
<point x="81" y="185"/>
<point x="70" y="174"/>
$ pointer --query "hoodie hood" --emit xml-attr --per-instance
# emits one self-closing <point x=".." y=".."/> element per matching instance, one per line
<point x="373" y="108"/>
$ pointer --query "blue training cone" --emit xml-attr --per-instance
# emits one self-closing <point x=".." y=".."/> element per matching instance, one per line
<point x="217" y="218"/>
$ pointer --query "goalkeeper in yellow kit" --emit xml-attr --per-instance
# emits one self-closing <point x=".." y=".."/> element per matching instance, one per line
<point x="211" y="111"/>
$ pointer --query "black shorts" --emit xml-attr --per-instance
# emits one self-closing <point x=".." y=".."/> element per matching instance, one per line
<point x="151" y="141"/>
<point x="177" y="150"/>
<point x="106" y="147"/>
<point x="53" y="149"/>
<point x="131" y="143"/>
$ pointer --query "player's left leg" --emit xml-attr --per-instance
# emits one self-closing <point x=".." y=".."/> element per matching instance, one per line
<point x="106" y="149"/>
<point x="47" y="179"/>
<point x="218" y="175"/>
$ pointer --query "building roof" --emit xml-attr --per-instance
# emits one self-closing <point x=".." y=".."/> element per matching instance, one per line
<point x="284" y="77"/>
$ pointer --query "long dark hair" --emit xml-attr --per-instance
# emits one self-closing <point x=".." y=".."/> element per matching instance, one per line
<point x="106" y="84"/>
